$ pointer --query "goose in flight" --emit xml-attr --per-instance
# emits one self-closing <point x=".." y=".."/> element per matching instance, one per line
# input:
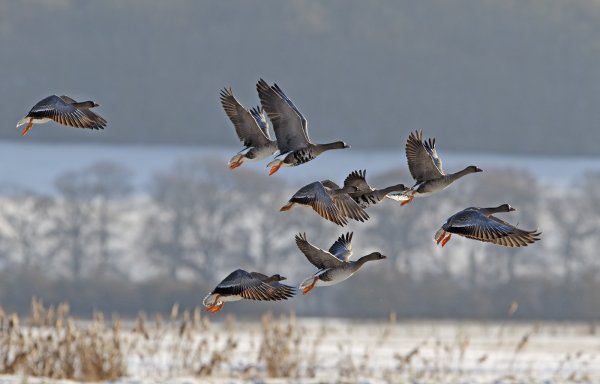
<point x="365" y="195"/>
<point x="247" y="285"/>
<point x="334" y="265"/>
<point x="252" y="129"/>
<point x="63" y="110"/>
<point x="426" y="168"/>
<point x="329" y="200"/>
<point x="291" y="129"/>
<point x="480" y="224"/>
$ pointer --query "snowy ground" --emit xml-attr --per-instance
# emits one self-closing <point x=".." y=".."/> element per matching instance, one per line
<point x="321" y="350"/>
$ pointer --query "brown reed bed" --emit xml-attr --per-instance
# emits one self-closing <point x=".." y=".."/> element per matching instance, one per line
<point x="51" y="344"/>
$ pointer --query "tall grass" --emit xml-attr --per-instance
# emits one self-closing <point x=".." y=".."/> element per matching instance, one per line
<point x="50" y="343"/>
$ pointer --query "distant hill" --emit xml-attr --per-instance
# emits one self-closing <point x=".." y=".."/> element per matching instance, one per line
<point x="498" y="75"/>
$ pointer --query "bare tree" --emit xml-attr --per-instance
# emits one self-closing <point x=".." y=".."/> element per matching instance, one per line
<point x="25" y="214"/>
<point x="83" y="216"/>
<point x="197" y="207"/>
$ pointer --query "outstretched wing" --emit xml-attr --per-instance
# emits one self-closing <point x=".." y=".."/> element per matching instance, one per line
<point x="317" y="257"/>
<point x="342" y="248"/>
<point x="422" y="158"/>
<point x="247" y="126"/>
<point x="259" y="115"/>
<point x="99" y="120"/>
<point x="518" y="237"/>
<point x="473" y="224"/>
<point x="280" y="92"/>
<point x="357" y="180"/>
<point x="244" y="284"/>
<point x="287" y="123"/>
<point x="316" y="196"/>
<point x="348" y="207"/>
<point x="55" y="108"/>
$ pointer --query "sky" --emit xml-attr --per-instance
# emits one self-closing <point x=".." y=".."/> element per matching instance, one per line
<point x="496" y="76"/>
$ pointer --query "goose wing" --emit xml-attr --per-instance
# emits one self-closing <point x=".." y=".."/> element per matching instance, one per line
<point x="261" y="119"/>
<point x="342" y="248"/>
<point x="315" y="195"/>
<point x="288" y="124"/>
<point x="55" y="108"/>
<point x="99" y="120"/>
<point x="317" y="257"/>
<point x="280" y="92"/>
<point x="422" y="158"/>
<point x="348" y="207"/>
<point x="357" y="180"/>
<point x="473" y="224"/>
<point x="518" y="237"/>
<point x="251" y="287"/>
<point x="246" y="123"/>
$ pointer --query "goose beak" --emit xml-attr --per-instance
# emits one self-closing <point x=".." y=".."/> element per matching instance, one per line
<point x="478" y="170"/>
<point x="510" y="209"/>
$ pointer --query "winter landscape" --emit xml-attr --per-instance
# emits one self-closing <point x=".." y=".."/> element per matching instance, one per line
<point x="110" y="239"/>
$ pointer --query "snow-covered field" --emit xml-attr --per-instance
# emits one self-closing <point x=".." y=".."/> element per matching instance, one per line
<point x="279" y="350"/>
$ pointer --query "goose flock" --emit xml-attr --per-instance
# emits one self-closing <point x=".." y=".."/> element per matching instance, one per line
<point x="292" y="147"/>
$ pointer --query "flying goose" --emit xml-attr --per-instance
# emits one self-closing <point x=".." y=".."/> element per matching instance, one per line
<point x="334" y="265"/>
<point x="365" y="195"/>
<point x="290" y="128"/>
<point x="480" y="224"/>
<point x="329" y="200"/>
<point x="247" y="285"/>
<point x="65" y="111"/>
<point x="426" y="168"/>
<point x="252" y="129"/>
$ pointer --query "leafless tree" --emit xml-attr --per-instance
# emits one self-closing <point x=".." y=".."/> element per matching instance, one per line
<point x="84" y="216"/>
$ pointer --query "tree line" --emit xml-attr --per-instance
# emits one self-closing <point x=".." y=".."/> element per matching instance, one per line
<point x="100" y="243"/>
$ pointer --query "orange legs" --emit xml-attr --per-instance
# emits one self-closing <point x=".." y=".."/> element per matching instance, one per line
<point x="236" y="161"/>
<point x="411" y="198"/>
<point x="27" y="127"/>
<point x="444" y="238"/>
<point x="287" y="207"/>
<point x="275" y="167"/>
<point x="214" y="308"/>
<point x="235" y="164"/>
<point x="310" y="287"/>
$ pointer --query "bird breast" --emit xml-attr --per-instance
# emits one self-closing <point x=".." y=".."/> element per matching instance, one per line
<point x="333" y="276"/>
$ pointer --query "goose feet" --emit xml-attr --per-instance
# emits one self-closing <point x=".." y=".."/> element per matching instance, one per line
<point x="286" y="207"/>
<point x="444" y="238"/>
<point x="27" y="127"/>
<point x="309" y="287"/>
<point x="236" y="161"/>
<point x="214" y="308"/>
<point x="411" y="198"/>
<point x="275" y="165"/>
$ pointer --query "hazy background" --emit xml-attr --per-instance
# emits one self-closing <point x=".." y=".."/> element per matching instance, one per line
<point x="503" y="75"/>
<point x="106" y="222"/>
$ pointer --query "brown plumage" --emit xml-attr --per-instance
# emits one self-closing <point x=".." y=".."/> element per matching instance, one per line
<point x="480" y="224"/>
<point x="329" y="201"/>
<point x="63" y="110"/>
